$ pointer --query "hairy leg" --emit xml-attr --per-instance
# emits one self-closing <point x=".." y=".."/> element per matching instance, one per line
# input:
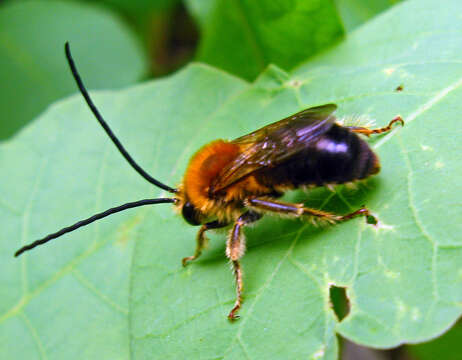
<point x="201" y="240"/>
<point x="235" y="249"/>
<point x="298" y="210"/>
<point x="368" y="132"/>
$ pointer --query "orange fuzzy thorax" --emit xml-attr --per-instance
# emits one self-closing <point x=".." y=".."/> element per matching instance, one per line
<point x="203" y="168"/>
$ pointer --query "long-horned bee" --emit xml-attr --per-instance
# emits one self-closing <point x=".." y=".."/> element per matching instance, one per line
<point x="234" y="183"/>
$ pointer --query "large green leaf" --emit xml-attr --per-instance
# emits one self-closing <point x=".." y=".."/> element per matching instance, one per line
<point x="71" y="298"/>
<point x="244" y="36"/>
<point x="33" y="73"/>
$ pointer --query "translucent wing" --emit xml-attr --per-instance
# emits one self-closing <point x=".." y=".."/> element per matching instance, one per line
<point x="274" y="143"/>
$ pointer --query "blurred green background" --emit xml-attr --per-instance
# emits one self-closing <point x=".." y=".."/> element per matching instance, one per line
<point x="119" y="43"/>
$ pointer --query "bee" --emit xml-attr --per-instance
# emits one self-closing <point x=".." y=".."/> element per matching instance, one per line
<point x="231" y="184"/>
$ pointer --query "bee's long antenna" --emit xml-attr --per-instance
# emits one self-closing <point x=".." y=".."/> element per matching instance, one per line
<point x="92" y="219"/>
<point x="105" y="126"/>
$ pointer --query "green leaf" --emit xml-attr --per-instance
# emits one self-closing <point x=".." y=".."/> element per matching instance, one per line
<point x="71" y="298"/>
<point x="357" y="12"/>
<point x="200" y="9"/>
<point x="352" y="12"/>
<point x="33" y="73"/>
<point x="244" y="36"/>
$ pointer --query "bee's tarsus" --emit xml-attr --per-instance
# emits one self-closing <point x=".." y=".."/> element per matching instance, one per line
<point x="239" y="286"/>
<point x="185" y="261"/>
<point x="368" y="132"/>
<point x="232" y="315"/>
<point x="396" y="119"/>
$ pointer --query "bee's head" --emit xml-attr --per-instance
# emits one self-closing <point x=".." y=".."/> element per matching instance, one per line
<point x="191" y="214"/>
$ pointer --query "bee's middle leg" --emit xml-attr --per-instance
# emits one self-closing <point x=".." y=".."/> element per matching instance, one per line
<point x="235" y="249"/>
<point x="201" y="240"/>
<point x="298" y="210"/>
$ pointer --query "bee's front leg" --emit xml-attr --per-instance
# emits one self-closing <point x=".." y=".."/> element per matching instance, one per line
<point x="201" y="240"/>
<point x="235" y="249"/>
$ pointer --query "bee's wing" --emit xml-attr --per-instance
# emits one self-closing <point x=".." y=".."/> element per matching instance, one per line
<point x="274" y="143"/>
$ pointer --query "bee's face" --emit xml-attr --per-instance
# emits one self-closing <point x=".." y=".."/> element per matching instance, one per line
<point x="191" y="214"/>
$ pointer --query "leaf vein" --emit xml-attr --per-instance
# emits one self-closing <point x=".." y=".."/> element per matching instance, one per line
<point x="180" y="324"/>
<point x="35" y="335"/>
<point x="52" y="279"/>
<point x="415" y="215"/>
<point x="244" y="348"/>
<point x="95" y="291"/>
<point x="26" y="222"/>
<point x="9" y="208"/>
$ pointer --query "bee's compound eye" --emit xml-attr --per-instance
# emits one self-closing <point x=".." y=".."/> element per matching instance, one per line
<point x="190" y="214"/>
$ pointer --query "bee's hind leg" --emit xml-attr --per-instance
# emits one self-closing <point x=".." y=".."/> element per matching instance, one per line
<point x="201" y="240"/>
<point x="235" y="249"/>
<point x="366" y="131"/>
<point x="297" y="210"/>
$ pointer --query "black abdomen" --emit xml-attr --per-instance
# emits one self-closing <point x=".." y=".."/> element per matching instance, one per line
<point x="337" y="156"/>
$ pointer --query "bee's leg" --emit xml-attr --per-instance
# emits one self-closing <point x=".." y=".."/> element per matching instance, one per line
<point x="298" y="210"/>
<point x="201" y="240"/>
<point x="366" y="131"/>
<point x="235" y="248"/>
